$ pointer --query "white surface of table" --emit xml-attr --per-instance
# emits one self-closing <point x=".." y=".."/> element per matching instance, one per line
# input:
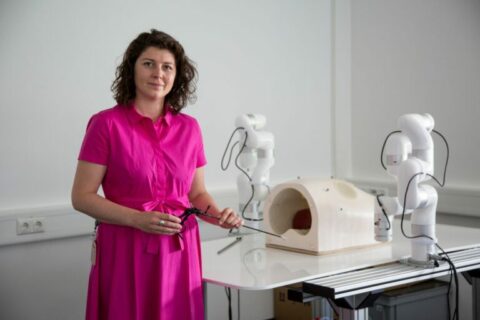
<point x="249" y="265"/>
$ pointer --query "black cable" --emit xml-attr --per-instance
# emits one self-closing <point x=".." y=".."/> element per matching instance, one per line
<point x="383" y="147"/>
<point x="246" y="206"/>
<point x="238" y="304"/>
<point x="228" y="292"/>
<point x="383" y="210"/>
<point x="238" y="156"/>
<point x="455" y="275"/>
<point x="403" y="212"/>
<point x="449" y="281"/>
<point x="456" y="310"/>
<point x="225" y="167"/>
<point x="249" y="179"/>
<point x="446" y="160"/>
<point x="449" y="309"/>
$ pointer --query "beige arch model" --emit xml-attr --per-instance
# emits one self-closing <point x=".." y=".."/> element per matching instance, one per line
<point x="319" y="216"/>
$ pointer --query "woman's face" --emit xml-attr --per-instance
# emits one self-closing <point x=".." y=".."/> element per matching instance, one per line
<point x="155" y="72"/>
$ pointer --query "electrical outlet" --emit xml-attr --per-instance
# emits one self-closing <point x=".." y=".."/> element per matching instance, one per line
<point x="38" y="225"/>
<point x="30" y="225"/>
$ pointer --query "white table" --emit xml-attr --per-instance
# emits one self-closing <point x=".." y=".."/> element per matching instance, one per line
<point x="249" y="265"/>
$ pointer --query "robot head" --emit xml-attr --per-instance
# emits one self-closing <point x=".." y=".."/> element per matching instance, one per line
<point x="255" y="121"/>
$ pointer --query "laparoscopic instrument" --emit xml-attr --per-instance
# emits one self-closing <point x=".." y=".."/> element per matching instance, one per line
<point x="195" y="211"/>
<point x="254" y="160"/>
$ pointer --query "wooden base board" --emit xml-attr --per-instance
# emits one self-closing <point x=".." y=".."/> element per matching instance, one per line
<point x="316" y="253"/>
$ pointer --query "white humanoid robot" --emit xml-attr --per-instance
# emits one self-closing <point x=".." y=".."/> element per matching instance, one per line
<point x="255" y="160"/>
<point x="409" y="158"/>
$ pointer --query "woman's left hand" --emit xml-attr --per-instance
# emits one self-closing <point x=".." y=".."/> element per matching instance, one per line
<point x="229" y="219"/>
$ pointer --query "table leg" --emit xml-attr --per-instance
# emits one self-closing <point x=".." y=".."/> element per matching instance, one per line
<point x="348" y="314"/>
<point x="204" y="288"/>
<point x="354" y="307"/>
<point x="475" y="293"/>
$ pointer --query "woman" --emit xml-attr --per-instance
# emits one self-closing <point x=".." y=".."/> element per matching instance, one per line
<point x="149" y="159"/>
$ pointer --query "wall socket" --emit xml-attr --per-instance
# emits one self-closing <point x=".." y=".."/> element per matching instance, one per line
<point x="30" y="225"/>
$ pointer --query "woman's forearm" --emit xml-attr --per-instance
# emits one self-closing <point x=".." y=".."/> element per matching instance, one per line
<point x="86" y="199"/>
<point x="103" y="209"/>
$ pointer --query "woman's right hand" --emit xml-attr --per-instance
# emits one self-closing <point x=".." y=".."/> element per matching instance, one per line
<point x="157" y="222"/>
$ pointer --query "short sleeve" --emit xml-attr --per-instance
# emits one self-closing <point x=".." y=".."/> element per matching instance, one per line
<point x="95" y="147"/>
<point x="201" y="159"/>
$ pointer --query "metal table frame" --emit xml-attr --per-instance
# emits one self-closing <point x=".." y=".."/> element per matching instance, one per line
<point x="353" y="292"/>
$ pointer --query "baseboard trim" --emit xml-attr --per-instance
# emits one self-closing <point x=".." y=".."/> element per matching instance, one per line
<point x="452" y="199"/>
<point x="62" y="221"/>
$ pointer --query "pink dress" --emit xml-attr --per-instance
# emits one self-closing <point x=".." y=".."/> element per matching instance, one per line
<point x="150" y="166"/>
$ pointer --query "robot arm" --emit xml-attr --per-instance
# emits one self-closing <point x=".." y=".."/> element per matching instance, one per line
<point x="255" y="160"/>
<point x="409" y="156"/>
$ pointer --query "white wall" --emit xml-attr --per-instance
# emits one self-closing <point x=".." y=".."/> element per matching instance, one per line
<point x="412" y="56"/>
<point x="58" y="60"/>
<point x="45" y="280"/>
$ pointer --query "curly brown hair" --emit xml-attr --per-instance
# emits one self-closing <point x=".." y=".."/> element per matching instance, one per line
<point x="184" y="86"/>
